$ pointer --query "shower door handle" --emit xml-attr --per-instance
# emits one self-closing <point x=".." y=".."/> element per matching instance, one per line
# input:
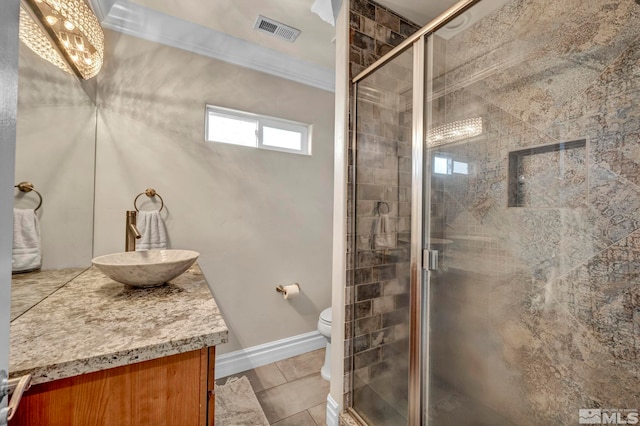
<point x="430" y="259"/>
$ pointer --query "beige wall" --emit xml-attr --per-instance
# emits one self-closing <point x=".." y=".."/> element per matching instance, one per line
<point x="55" y="150"/>
<point x="258" y="218"/>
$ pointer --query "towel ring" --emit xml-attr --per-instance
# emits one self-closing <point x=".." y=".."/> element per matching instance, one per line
<point x="28" y="187"/>
<point x="381" y="204"/>
<point x="149" y="192"/>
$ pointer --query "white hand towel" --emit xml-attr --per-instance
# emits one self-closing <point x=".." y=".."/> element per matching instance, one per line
<point x="27" y="255"/>
<point x="151" y="227"/>
<point x="383" y="237"/>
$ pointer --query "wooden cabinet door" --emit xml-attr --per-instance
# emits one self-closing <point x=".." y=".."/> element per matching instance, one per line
<point x="169" y="391"/>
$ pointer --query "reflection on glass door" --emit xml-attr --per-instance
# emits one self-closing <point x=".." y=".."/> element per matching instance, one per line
<point x="533" y="205"/>
<point x="380" y="340"/>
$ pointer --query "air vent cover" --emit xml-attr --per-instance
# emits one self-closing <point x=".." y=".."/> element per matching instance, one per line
<point x="276" y="29"/>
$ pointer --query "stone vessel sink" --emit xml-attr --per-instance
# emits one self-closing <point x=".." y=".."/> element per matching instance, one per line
<point x="145" y="268"/>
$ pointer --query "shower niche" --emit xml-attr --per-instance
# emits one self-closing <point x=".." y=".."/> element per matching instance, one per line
<point x="549" y="176"/>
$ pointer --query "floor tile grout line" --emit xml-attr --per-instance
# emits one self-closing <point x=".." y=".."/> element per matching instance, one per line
<point x="303" y="377"/>
<point x="294" y="414"/>
<point x="287" y="359"/>
<point x="280" y="370"/>
<point x="286" y="383"/>
<point x="313" y="418"/>
<point x="283" y="384"/>
<point x="244" y="373"/>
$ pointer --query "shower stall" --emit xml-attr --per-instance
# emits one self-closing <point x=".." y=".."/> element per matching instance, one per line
<point x="495" y="232"/>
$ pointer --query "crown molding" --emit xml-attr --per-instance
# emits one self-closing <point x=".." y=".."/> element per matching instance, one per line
<point x="139" y="21"/>
<point x="101" y="8"/>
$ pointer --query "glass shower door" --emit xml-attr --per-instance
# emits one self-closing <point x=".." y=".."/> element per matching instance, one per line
<point x="465" y="188"/>
<point x="533" y="203"/>
<point x="380" y="324"/>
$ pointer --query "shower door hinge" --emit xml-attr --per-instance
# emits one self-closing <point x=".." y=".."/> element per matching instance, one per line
<point x="430" y="259"/>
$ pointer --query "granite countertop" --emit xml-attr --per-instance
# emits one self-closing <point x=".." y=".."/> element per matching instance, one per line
<point x="30" y="288"/>
<point x="93" y="323"/>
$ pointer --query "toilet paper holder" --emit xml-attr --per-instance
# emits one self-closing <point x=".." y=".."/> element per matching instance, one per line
<point x="280" y="288"/>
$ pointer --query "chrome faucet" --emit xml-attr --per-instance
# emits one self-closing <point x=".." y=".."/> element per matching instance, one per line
<point x="131" y="231"/>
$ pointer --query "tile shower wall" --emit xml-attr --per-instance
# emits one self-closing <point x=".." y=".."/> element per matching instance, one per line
<point x="539" y="298"/>
<point x="376" y="298"/>
<point x="381" y="279"/>
<point x="374" y="31"/>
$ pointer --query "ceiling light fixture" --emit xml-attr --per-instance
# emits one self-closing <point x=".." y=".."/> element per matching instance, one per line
<point x="75" y="41"/>
<point x="455" y="131"/>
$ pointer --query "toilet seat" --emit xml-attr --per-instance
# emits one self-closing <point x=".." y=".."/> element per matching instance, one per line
<point x="325" y="316"/>
<point x="324" y="324"/>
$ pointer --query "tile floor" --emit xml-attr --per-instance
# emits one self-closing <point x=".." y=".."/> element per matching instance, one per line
<point x="291" y="392"/>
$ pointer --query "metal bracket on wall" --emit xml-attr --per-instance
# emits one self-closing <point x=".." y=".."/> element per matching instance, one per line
<point x="430" y="259"/>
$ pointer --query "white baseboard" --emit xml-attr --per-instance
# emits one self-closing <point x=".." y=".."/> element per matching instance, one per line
<point x="257" y="356"/>
<point x="333" y="412"/>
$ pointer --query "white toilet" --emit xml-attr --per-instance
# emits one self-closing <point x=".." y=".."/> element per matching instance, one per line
<point x="324" y="327"/>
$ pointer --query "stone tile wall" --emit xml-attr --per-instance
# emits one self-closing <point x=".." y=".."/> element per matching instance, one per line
<point x="375" y="31"/>
<point x="377" y="297"/>
<point x="381" y="278"/>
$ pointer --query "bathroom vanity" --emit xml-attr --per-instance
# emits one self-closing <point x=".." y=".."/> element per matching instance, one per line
<point x="103" y="353"/>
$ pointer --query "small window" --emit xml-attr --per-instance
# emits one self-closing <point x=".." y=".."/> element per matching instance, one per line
<point x="460" y="168"/>
<point x="229" y="129"/>
<point x="447" y="166"/>
<point x="243" y="128"/>
<point x="441" y="165"/>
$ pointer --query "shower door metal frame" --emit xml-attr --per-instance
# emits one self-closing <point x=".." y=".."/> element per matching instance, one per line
<point x="439" y="22"/>
<point x="416" y="286"/>
<point x="419" y="280"/>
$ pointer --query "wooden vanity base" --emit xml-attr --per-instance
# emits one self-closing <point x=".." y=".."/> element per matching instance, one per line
<point x="172" y="391"/>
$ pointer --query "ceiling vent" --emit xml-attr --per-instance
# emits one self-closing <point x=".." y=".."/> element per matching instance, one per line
<point x="276" y="29"/>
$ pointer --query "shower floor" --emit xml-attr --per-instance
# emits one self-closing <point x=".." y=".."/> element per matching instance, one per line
<point x="379" y="404"/>
<point x="449" y="407"/>
<point x="382" y="400"/>
<point x="376" y="410"/>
